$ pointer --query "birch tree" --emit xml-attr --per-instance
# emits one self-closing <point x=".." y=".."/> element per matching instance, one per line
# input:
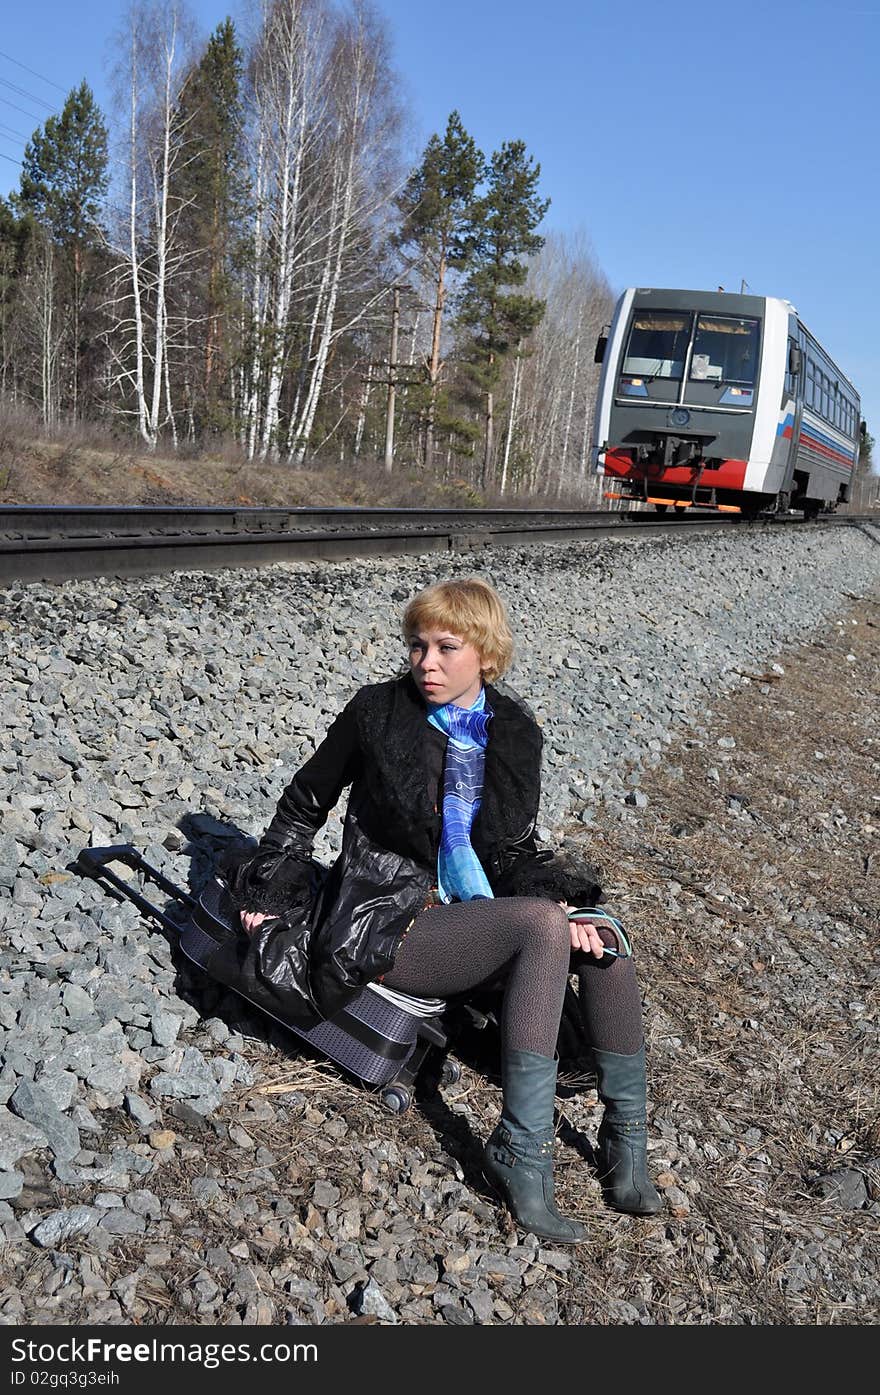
<point x="362" y="128"/>
<point x="290" y="79"/>
<point x="559" y="378"/>
<point x="157" y="70"/>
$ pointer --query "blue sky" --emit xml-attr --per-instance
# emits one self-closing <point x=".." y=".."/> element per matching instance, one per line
<point x="695" y="144"/>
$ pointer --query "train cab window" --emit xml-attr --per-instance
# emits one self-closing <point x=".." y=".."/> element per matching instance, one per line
<point x="658" y="343"/>
<point x="725" y="350"/>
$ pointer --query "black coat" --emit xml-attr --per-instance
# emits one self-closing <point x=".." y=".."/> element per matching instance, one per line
<point x="335" y="938"/>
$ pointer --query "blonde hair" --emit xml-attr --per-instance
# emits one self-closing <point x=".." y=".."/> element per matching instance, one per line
<point x="471" y="609"/>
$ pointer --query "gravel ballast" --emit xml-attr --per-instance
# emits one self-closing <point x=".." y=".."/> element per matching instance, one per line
<point x="170" y="712"/>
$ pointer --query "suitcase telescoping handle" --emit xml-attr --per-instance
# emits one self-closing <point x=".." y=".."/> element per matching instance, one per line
<point x="92" y="862"/>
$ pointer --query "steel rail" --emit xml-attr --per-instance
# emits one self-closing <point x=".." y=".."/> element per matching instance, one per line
<point x="91" y="520"/>
<point x="45" y="544"/>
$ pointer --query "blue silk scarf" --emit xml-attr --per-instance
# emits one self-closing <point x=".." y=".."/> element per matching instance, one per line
<point x="460" y="876"/>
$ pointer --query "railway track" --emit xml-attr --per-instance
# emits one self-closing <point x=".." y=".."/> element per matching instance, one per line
<point x="59" y="544"/>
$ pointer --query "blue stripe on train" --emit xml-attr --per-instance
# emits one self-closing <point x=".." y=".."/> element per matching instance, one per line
<point x="812" y="433"/>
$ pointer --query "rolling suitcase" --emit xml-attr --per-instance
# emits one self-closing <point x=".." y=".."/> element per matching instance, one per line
<point x="381" y="1039"/>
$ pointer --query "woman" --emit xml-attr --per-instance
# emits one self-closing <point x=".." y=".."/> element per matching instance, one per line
<point x="440" y="886"/>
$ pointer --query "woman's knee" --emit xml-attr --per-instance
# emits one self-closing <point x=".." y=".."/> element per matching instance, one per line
<point x="547" y="923"/>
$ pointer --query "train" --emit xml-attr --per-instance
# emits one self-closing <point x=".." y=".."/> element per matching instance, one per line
<point x="709" y="399"/>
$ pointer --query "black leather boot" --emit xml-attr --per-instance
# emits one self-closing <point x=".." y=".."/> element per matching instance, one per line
<point x="623" y="1134"/>
<point x="518" y="1158"/>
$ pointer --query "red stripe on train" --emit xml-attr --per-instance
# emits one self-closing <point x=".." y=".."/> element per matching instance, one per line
<point x="837" y="456"/>
<point x="730" y="474"/>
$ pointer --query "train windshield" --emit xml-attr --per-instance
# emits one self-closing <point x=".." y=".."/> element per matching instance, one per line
<point x="658" y="343"/>
<point x="725" y="350"/>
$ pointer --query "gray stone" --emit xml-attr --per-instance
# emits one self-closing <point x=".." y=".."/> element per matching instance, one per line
<point x="63" y="1225"/>
<point x="165" y="1027"/>
<point x="325" y="1194"/>
<point x="79" y="1006"/>
<point x="845" y="1188"/>
<point x="85" y="1120"/>
<point x="11" y="1185"/>
<point x="368" y="1298"/>
<point x="136" y="1106"/>
<point x="59" y="1085"/>
<point x="184" y="1087"/>
<point x="18" y="1137"/>
<point x="206" y="1190"/>
<point x="123" y="1222"/>
<point x="144" y="1203"/>
<point x="108" y="1076"/>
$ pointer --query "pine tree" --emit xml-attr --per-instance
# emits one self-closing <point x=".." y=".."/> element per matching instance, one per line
<point x="208" y="190"/>
<point x="864" y="487"/>
<point x="64" y="169"/>
<point x="63" y="182"/>
<point x="14" y="235"/>
<point x="866" y="450"/>
<point x="505" y="219"/>
<point x="437" y="227"/>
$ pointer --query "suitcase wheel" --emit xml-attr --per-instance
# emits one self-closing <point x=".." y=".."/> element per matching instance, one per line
<point x="450" y="1072"/>
<point x="396" y="1099"/>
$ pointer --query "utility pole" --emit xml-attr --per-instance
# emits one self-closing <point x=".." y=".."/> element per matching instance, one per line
<point x="392" y="384"/>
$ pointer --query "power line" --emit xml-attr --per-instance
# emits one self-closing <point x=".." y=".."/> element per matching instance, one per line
<point x="10" y="159"/>
<point x="21" y="109"/>
<point x="32" y="71"/>
<point x="22" y="92"/>
<point x="9" y="131"/>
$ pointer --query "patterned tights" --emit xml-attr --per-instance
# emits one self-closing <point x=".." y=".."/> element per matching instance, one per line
<point x="459" y="946"/>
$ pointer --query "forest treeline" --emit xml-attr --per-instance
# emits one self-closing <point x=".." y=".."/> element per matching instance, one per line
<point x="238" y="252"/>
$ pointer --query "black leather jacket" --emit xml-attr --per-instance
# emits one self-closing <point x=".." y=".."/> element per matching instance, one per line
<point x="333" y="940"/>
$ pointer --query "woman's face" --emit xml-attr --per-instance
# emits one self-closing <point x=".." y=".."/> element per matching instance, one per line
<point x="445" y="667"/>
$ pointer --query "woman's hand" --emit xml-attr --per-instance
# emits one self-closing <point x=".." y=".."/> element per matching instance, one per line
<point x="252" y="920"/>
<point x="584" y="934"/>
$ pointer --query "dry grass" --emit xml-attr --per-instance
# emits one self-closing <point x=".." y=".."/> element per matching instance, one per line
<point x="79" y="465"/>
<point x="754" y="965"/>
